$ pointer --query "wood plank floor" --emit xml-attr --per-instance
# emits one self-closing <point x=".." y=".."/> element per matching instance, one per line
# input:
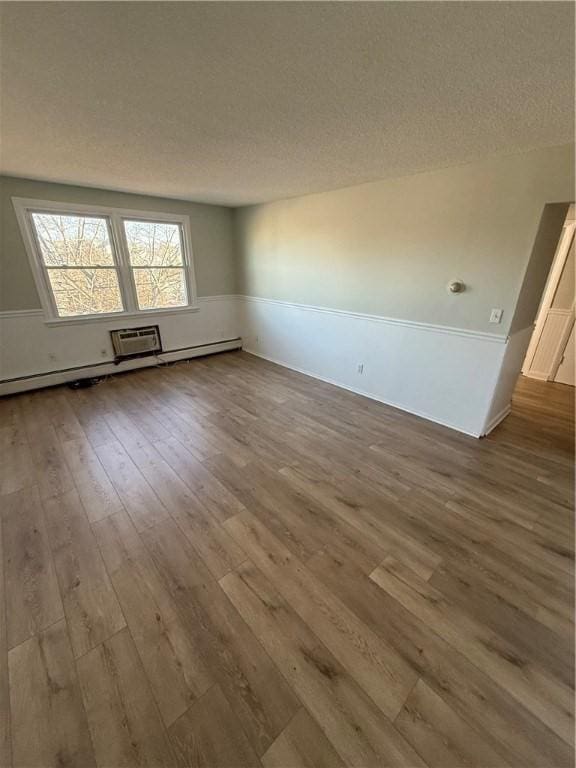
<point x="225" y="564"/>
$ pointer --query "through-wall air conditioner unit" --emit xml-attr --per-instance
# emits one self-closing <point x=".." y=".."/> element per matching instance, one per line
<point x="136" y="342"/>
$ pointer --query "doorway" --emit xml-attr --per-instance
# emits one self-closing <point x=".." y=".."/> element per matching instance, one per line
<point x="550" y="354"/>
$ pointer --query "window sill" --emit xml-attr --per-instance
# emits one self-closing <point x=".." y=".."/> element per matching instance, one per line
<point x="119" y="316"/>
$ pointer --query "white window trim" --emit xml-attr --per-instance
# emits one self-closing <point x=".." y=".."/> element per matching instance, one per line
<point x="24" y="207"/>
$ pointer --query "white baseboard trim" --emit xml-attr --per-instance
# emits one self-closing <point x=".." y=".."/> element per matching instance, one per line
<point x="493" y="423"/>
<point x="25" y="384"/>
<point x="357" y="391"/>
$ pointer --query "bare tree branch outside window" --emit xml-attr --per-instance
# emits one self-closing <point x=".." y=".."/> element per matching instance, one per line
<point x="155" y="250"/>
<point x="82" y="272"/>
<point x="77" y="253"/>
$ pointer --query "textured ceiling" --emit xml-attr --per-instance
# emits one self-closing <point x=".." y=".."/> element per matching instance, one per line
<point x="245" y="102"/>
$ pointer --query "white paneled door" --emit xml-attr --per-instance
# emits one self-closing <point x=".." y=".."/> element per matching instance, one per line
<point x="550" y="355"/>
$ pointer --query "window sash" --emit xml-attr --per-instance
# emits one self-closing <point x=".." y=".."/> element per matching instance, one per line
<point x="78" y="216"/>
<point x="181" y="239"/>
<point x="83" y="268"/>
<point x="45" y="268"/>
<point x="175" y="306"/>
<point x="114" y="218"/>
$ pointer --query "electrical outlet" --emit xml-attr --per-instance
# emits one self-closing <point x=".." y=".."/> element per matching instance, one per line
<point x="496" y="315"/>
<point x="360" y="367"/>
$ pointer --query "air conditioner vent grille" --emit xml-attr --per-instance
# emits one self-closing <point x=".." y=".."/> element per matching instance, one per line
<point x="136" y="342"/>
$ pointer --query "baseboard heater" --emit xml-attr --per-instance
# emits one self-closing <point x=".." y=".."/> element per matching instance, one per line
<point x="106" y="367"/>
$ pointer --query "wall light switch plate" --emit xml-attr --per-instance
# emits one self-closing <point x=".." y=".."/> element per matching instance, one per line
<point x="496" y="315"/>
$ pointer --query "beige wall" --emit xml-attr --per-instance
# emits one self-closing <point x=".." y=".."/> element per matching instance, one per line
<point x="538" y="267"/>
<point x="211" y="226"/>
<point x="390" y="247"/>
<point x="387" y="248"/>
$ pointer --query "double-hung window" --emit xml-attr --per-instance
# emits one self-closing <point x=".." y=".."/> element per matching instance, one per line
<point x="94" y="262"/>
<point x="76" y="258"/>
<point x="155" y="250"/>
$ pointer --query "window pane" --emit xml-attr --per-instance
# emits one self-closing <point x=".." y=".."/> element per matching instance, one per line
<point x="153" y="244"/>
<point x="73" y="240"/>
<point x="85" y="291"/>
<point x="160" y="287"/>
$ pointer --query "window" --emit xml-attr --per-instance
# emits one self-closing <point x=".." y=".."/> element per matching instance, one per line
<point x="155" y="250"/>
<point x="92" y="262"/>
<point x="77" y="258"/>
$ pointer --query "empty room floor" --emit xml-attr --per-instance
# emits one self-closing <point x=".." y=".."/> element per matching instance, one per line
<point x="226" y="563"/>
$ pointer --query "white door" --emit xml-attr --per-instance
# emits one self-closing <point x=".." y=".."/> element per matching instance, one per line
<point x="556" y="315"/>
